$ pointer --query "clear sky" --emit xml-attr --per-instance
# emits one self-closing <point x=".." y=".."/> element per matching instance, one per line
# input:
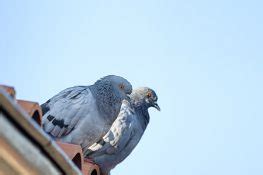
<point x="203" y="58"/>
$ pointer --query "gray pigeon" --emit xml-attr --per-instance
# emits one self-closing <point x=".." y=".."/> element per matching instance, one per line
<point x="84" y="114"/>
<point x="125" y="132"/>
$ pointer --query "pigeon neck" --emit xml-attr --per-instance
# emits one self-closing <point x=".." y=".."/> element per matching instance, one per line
<point x="108" y="103"/>
<point x="142" y="111"/>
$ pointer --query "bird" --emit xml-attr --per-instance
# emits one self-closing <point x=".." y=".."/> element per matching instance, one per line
<point x="83" y="114"/>
<point x="125" y="132"/>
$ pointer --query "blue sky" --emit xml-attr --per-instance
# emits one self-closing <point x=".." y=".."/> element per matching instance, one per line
<point x="203" y="58"/>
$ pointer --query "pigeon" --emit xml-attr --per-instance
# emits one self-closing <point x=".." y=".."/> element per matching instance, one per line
<point x="84" y="114"/>
<point x="126" y="131"/>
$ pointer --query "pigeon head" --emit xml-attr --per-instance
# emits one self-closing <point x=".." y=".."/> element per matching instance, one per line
<point x="120" y="85"/>
<point x="145" y="96"/>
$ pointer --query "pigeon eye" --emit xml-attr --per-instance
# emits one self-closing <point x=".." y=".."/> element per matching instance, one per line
<point x="121" y="86"/>
<point x="149" y="94"/>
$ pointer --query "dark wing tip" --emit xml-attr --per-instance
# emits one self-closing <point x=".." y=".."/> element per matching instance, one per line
<point x="45" y="108"/>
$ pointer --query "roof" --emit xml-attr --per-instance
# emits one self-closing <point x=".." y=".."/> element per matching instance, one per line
<point x="26" y="148"/>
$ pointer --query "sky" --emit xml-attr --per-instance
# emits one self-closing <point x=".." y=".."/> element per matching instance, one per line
<point x="203" y="58"/>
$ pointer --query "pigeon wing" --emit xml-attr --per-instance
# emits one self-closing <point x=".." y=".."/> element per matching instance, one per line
<point x="118" y="136"/>
<point x="63" y="111"/>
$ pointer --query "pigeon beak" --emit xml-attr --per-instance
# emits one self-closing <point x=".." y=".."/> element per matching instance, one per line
<point x="156" y="106"/>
